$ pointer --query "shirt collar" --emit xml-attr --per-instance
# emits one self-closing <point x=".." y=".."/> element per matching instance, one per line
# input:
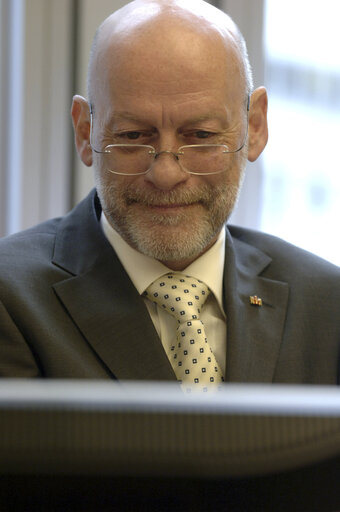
<point x="144" y="270"/>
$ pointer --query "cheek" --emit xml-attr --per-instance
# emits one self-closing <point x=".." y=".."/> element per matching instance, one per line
<point x="231" y="176"/>
<point x="104" y="178"/>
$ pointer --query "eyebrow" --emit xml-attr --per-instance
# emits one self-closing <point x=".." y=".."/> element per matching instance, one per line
<point x="207" y="117"/>
<point x="125" y="115"/>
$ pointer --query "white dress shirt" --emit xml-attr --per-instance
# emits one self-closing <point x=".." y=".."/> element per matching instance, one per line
<point x="209" y="267"/>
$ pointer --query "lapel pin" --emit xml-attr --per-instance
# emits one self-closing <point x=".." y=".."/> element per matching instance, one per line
<point x="255" y="300"/>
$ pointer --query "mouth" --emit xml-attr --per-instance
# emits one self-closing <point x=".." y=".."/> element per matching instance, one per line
<point x="169" y="208"/>
<point x="168" y="204"/>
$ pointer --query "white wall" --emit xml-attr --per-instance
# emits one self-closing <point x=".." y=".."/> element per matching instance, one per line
<point x="34" y="97"/>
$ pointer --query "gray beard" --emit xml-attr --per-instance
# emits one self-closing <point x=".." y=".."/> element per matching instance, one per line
<point x="168" y="237"/>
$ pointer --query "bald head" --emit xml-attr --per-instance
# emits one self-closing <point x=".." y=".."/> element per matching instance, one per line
<point x="171" y="31"/>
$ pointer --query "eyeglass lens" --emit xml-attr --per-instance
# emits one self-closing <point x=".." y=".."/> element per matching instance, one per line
<point x="138" y="159"/>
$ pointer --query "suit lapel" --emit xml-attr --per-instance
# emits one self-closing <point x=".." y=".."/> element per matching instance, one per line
<point x="254" y="333"/>
<point x="103" y="302"/>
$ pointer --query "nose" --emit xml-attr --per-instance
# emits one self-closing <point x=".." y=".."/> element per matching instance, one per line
<point x="165" y="172"/>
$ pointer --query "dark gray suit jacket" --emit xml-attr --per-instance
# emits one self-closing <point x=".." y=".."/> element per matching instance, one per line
<point x="69" y="310"/>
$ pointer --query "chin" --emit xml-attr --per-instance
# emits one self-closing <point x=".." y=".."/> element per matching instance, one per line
<point x="173" y="242"/>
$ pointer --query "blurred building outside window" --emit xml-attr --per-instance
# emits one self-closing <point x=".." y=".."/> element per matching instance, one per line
<point x="301" y="185"/>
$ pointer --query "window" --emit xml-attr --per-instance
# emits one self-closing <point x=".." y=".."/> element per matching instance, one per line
<point x="301" y="186"/>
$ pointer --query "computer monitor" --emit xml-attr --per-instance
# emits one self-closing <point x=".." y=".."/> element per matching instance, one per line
<point x="90" y="445"/>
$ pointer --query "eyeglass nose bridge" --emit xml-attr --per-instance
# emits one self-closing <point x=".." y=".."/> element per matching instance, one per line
<point x="176" y="155"/>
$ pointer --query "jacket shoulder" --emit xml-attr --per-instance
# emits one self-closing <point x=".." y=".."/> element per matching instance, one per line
<point x="287" y="260"/>
<point x="30" y="241"/>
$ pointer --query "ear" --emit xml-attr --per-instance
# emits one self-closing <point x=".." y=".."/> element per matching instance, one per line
<point x="80" y="112"/>
<point x="258" y="127"/>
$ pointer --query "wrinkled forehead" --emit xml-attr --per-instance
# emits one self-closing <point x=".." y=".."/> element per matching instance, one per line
<point x="163" y="49"/>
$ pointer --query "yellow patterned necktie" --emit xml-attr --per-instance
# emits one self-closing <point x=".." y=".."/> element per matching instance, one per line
<point x="191" y="356"/>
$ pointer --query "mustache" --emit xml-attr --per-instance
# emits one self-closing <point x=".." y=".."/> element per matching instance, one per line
<point x="204" y="195"/>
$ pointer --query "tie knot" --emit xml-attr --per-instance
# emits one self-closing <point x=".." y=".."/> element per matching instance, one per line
<point x="180" y="295"/>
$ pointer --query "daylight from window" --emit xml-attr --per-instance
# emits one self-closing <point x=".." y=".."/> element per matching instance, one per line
<point x="301" y="191"/>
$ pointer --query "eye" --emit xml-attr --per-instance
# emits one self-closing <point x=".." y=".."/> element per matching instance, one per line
<point x="131" y="135"/>
<point x="139" y="136"/>
<point x="199" y="135"/>
<point x="202" y="134"/>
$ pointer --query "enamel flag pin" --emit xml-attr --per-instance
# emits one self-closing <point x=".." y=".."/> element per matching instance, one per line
<point x="255" y="300"/>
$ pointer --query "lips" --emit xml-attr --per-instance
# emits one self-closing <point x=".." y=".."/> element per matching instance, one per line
<point x="170" y="206"/>
<point x="165" y="213"/>
<point x="153" y="204"/>
<point x="169" y="209"/>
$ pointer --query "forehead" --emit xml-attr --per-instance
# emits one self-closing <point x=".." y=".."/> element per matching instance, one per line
<point x="170" y="61"/>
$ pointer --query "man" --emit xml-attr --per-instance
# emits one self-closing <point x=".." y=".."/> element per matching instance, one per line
<point x="170" y="122"/>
